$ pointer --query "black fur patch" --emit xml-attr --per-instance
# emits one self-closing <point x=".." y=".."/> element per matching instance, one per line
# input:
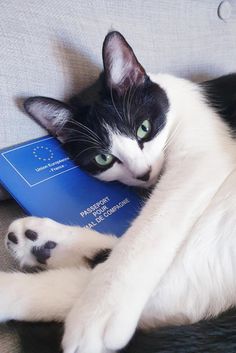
<point x="221" y="95"/>
<point x="210" y="336"/>
<point x="99" y="257"/>
<point x="38" y="337"/>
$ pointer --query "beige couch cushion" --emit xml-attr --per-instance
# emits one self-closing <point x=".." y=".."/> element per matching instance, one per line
<point x="53" y="48"/>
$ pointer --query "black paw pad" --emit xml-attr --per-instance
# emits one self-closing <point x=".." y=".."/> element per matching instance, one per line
<point x="31" y="235"/>
<point x="12" y="237"/>
<point x="41" y="254"/>
<point x="50" y="245"/>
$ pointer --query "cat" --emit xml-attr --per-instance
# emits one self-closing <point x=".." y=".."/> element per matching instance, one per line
<point x="175" y="264"/>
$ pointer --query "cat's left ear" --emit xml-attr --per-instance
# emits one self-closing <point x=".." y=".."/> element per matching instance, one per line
<point x="121" y="67"/>
<point x="50" y="113"/>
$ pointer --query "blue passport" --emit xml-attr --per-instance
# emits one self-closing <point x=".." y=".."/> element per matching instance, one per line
<point x="46" y="183"/>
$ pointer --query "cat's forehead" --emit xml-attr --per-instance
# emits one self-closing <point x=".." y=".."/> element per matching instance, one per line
<point x="112" y="116"/>
<point x="123" y="113"/>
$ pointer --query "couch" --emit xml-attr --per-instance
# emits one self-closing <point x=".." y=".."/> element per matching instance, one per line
<point x="53" y="48"/>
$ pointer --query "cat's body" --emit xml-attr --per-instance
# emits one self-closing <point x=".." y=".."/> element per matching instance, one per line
<point x="176" y="264"/>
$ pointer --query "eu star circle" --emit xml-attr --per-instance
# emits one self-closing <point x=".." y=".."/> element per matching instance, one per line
<point x="43" y="153"/>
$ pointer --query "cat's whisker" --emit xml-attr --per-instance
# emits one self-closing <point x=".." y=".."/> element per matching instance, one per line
<point x="162" y="126"/>
<point x="139" y="107"/>
<point x="91" y="132"/>
<point x="91" y="138"/>
<point x="124" y="103"/>
<point x="75" y="131"/>
<point x="76" y="134"/>
<point x="172" y="136"/>
<point x="83" y="140"/>
<point x="170" y="140"/>
<point x="113" y="103"/>
<point x="127" y="112"/>
<point x="83" y="151"/>
<point x="131" y="101"/>
<point x="79" y="140"/>
<point x="99" y="117"/>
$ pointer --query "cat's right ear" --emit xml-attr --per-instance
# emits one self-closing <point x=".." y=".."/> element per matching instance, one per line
<point x="121" y="67"/>
<point x="50" y="113"/>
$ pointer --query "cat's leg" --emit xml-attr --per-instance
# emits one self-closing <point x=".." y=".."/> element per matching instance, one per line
<point x="44" y="296"/>
<point x="43" y="242"/>
<point x="125" y="282"/>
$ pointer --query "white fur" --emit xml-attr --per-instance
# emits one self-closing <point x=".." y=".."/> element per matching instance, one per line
<point x="176" y="263"/>
<point x="136" y="162"/>
<point x="43" y="296"/>
<point x="73" y="243"/>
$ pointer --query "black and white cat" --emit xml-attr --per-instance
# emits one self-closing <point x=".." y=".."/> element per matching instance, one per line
<point x="176" y="263"/>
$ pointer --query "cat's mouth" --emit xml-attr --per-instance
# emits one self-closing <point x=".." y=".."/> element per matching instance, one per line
<point x="155" y="177"/>
<point x="142" y="184"/>
<point x="151" y="182"/>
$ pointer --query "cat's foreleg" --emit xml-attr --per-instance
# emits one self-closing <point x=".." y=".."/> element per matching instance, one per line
<point x="43" y="242"/>
<point x="44" y="296"/>
<point x="125" y="282"/>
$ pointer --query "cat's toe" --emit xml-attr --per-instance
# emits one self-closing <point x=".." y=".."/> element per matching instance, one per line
<point x="29" y="243"/>
<point x="12" y="238"/>
<point x="43" y="253"/>
<point x="31" y="235"/>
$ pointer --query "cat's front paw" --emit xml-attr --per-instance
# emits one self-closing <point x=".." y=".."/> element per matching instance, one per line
<point x="32" y="240"/>
<point x="104" y="318"/>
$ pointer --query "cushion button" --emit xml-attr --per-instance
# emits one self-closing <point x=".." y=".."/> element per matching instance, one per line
<point x="224" y="10"/>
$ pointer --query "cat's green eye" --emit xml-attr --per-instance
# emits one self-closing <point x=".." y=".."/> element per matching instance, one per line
<point x="144" y="130"/>
<point x="104" y="159"/>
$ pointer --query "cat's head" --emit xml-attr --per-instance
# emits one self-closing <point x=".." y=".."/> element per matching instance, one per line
<point x="121" y="135"/>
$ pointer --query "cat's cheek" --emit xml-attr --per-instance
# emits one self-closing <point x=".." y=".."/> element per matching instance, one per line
<point x="157" y="168"/>
<point x="119" y="173"/>
<point x="111" y="174"/>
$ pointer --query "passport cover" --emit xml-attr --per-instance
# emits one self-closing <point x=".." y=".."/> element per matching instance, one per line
<point x="46" y="183"/>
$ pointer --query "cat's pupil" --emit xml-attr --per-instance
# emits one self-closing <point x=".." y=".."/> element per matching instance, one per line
<point x="104" y="157"/>
<point x="144" y="128"/>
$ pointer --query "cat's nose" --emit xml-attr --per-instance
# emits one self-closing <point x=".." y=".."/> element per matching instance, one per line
<point x="145" y="176"/>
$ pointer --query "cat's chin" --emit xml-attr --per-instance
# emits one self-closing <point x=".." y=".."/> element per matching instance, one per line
<point x="142" y="184"/>
<point x="151" y="182"/>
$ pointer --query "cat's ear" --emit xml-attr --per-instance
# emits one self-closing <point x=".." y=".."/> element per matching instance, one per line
<point x="50" y="113"/>
<point x="121" y="67"/>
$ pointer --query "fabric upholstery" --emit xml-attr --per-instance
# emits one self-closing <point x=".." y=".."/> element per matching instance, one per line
<point x="3" y="194"/>
<point x="9" y="210"/>
<point x="53" y="47"/>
